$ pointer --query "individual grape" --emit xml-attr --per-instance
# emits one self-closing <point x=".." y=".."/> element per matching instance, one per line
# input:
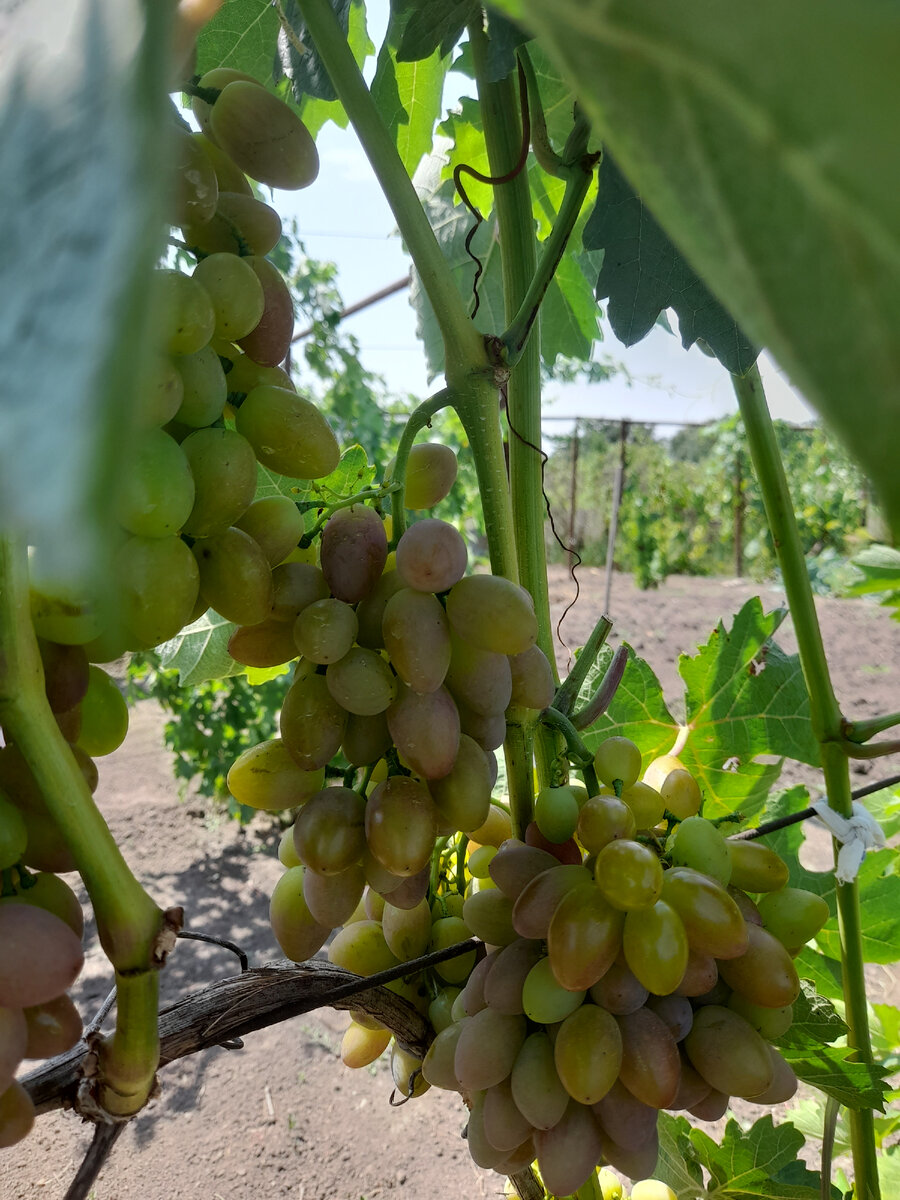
<point x="240" y="223"/>
<point x="270" y="341"/>
<point x="329" y="833"/>
<point x="536" y="1087"/>
<point x="288" y="433"/>
<point x="65" y="674"/>
<point x="537" y="902"/>
<point x="407" y="931"/>
<point x="246" y="375"/>
<point x="450" y="931"/>
<point x="712" y="920"/>
<point x="266" y="777"/>
<point x="439" y="1010"/>
<point x="479" y="861"/>
<point x="487" y="1049"/>
<point x="472" y="997"/>
<point x="157" y="494"/>
<point x="765" y="974"/>
<point x="69" y="723"/>
<point x="235" y="578"/>
<point x="353" y="552"/>
<point x="619" y="991"/>
<point x="60" y="613"/>
<point x="425" y="730"/>
<point x="53" y="1027"/>
<point x="488" y="732"/>
<point x="13" y="834"/>
<point x="438" y="1064"/>
<point x="325" y="630"/>
<point x="681" y="794"/>
<point x="531" y="676"/>
<point x="756" y="868"/>
<point x="224" y="468"/>
<point x="294" y="586"/>
<point x="406" y="1071"/>
<point x="515" y="865"/>
<point x="793" y="915"/>
<point x="266" y="139"/>
<point x="556" y="813"/>
<point x="185" y="310"/>
<point x="40" y="956"/>
<point x="784" y="1083"/>
<point x="417" y="637"/>
<point x="204" y="389"/>
<point x="381" y="882"/>
<point x="719" y="993"/>
<point x="544" y="999"/>
<point x="645" y="803"/>
<point x="158" y="582"/>
<point x="53" y="894"/>
<point x="588" y="1053"/>
<point x="692" y="1087"/>
<point x="401" y="824"/>
<point x="483" y="1154"/>
<point x="312" y="722"/>
<point x="618" y="760"/>
<point x="370" y="611"/>
<point x="504" y="1126"/>
<point x="564" y="852"/>
<point x="275" y="524"/>
<point x="361" y="948"/>
<point x="16" y="1115"/>
<point x="728" y="1053"/>
<point x="366" y="739"/>
<point x="700" y="975"/>
<point x="651" y="1064"/>
<point x="489" y="915"/>
<point x="235" y="291"/>
<point x="770" y="1022"/>
<point x="361" y="682"/>
<point x="696" y="843"/>
<point x="104" y="716"/>
<point x="713" y="1106"/>
<point x="479" y="679"/>
<point x="675" y="1012"/>
<point x="584" y="937"/>
<point x="360" y="1047"/>
<point x="625" y="1120"/>
<point x="604" y="819"/>
<point x="503" y="986"/>
<point x="659" y="768"/>
<point x="748" y="909"/>
<point x="463" y="796"/>
<point x="13" y="1043"/>
<point x="160" y="394"/>
<point x="430" y="474"/>
<point x="269" y="643"/>
<point x="629" y="875"/>
<point x="431" y="556"/>
<point x="496" y="829"/>
<point x="492" y="613"/>
<point x="333" y="898"/>
<point x="652" y="1189"/>
<point x="411" y="890"/>
<point x="287" y="855"/>
<point x="656" y="947"/>
<point x="229" y="176"/>
<point x="568" y="1153"/>
<point x="296" y="930"/>
<point x="217" y="78"/>
<point x="196" y="189"/>
<point x="609" y="1186"/>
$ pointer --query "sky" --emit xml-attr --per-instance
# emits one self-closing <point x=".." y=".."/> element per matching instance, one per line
<point x="343" y="217"/>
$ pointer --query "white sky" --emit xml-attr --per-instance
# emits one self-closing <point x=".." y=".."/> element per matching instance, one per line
<point x="344" y="218"/>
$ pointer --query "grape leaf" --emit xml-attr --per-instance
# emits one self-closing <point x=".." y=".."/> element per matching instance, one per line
<point x="822" y="971"/>
<point x="408" y="94"/>
<point x="504" y="37"/>
<point x="434" y="25"/>
<point x="241" y="35"/>
<point x="762" y="139"/>
<point x="200" y="651"/>
<point x="643" y="274"/>
<point x="352" y="474"/>
<point x="81" y="138"/>
<point x="752" y="1164"/>
<point x="880" y="570"/>
<point x="815" y="1020"/>
<point x="677" y="1165"/>
<point x="854" y="1084"/>
<point x="298" y="58"/>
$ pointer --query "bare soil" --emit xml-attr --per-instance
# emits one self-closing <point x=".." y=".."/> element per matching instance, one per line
<point x="282" y="1116"/>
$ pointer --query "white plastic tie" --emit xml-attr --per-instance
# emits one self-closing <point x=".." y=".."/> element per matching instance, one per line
<point x="856" y="834"/>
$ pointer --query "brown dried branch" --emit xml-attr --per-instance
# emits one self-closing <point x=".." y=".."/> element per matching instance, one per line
<point x="105" y="1137"/>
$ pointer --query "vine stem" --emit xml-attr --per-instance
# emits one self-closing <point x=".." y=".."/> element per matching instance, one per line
<point x="568" y="690"/>
<point x="828" y="729"/>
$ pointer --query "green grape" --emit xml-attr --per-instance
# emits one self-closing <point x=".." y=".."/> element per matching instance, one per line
<point x="489" y="915"/>
<point x="325" y="630"/>
<point x="246" y="375"/>
<point x="186" y="312"/>
<point x="538" y="900"/>
<point x="267" y="644"/>
<point x="53" y="1027"/>
<point x="353" y="552"/>
<point x="765" y="974"/>
<point x="681" y="794"/>
<point x="450" y="931"/>
<point x="270" y="341"/>
<point x="478" y="679"/>
<point x="503" y="986"/>
<point x="430" y="474"/>
<point x="204" y="389"/>
<point x="487" y="1049"/>
<point x="515" y="865"/>
<point x="362" y="949"/>
<point x="425" y="730"/>
<point x="659" y="768"/>
<point x="696" y="843"/>
<point x="675" y="1012"/>
<point x="329" y="833"/>
<point x="401" y="824"/>
<point x="629" y="875"/>
<point x="504" y="1126"/>
<point x="618" y="760"/>
<point x="275" y="524"/>
<point x="235" y="578"/>
<point x="288" y="433"/>
<point x="531" y="677"/>
<point x="104" y="715"/>
<point x="711" y="918"/>
<point x="728" y="1053"/>
<point x="431" y="556"/>
<point x="13" y="1043"/>
<point x="439" y="1013"/>
<point x="609" y="1186"/>
<point x="294" y="586"/>
<point x="496" y="829"/>
<point x="770" y="1022"/>
<point x="229" y="177"/>
<point x="54" y="895"/>
<point x="656" y="947"/>
<point x="619" y="991"/>
<point x="793" y="915"/>
<point x="16" y="1115"/>
<point x="312" y="722"/>
<point x="366" y="739"/>
<point x="492" y="613"/>
<point x="160" y="394"/>
<point x="479" y="861"/>
<point x="158" y="582"/>
<point x="158" y="490"/>
<point x="756" y="868"/>
<point x="556" y="813"/>
<point x="407" y="931"/>
<point x="472" y="998"/>
<point x="196" y="186"/>
<point x="296" y="930"/>
<point x="361" y="681"/>
<point x="360" y="1047"/>
<point x="370" y="612"/>
<point x="588" y="1053"/>
<point x="604" y="819"/>
<point x="224" y="469"/>
<point x="218" y="78"/>
<point x="651" y="1065"/>
<point x="61" y="614"/>
<point x="287" y="855"/>
<point x="544" y="999"/>
<point x="652" y="1189"/>
<point x="438" y="1064"/>
<point x="333" y="898"/>
<point x="40" y="956"/>
<point x="536" y="1087"/>
<point x="235" y="291"/>
<point x="406" y="1071"/>
<point x="266" y="139"/>
<point x="645" y="803"/>
<point x="417" y="637"/>
<point x="240" y="223"/>
<point x="13" y="834"/>
<point x="584" y="937"/>
<point x="568" y="1153"/>
<point x="266" y="777"/>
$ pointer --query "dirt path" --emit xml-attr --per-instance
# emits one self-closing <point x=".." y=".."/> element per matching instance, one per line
<point x="282" y="1117"/>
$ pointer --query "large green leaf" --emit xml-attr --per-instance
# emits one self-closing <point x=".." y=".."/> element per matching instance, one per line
<point x="763" y="139"/>
<point x="200" y="651"/>
<point x="242" y="35"/>
<point x="81" y="142"/>
<point x="433" y="25"/>
<point x="408" y="94"/>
